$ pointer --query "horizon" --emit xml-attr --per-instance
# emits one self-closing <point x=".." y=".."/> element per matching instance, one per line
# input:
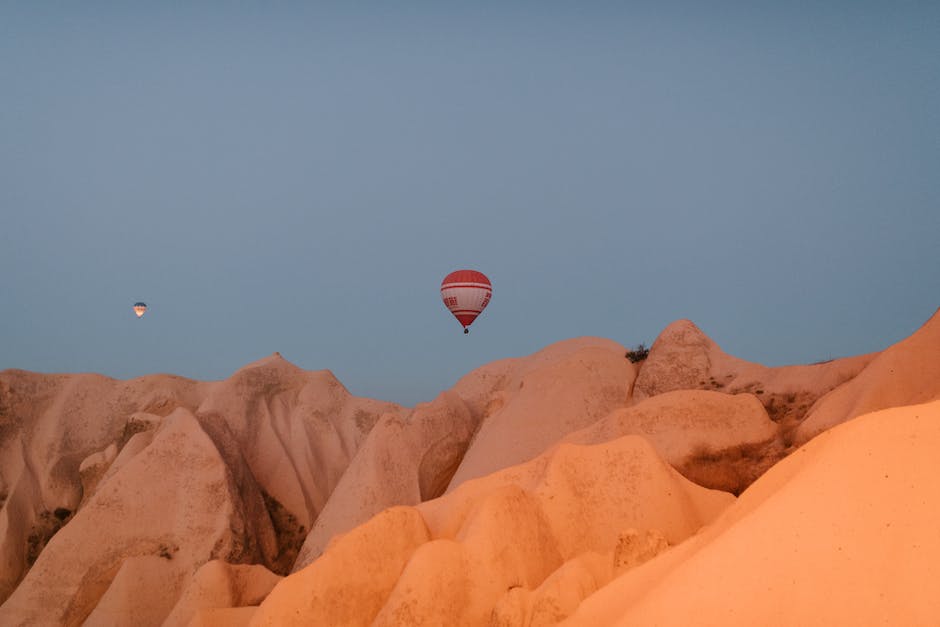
<point x="280" y="355"/>
<point x="299" y="179"/>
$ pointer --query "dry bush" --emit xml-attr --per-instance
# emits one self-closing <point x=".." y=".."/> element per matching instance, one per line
<point x="638" y="354"/>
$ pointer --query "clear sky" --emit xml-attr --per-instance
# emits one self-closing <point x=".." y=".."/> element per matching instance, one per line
<point x="300" y="176"/>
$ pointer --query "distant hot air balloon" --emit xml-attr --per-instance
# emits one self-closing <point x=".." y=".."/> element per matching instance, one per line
<point x="140" y="308"/>
<point x="466" y="293"/>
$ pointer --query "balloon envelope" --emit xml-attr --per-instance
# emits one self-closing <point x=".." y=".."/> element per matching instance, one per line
<point x="140" y="308"/>
<point x="466" y="293"/>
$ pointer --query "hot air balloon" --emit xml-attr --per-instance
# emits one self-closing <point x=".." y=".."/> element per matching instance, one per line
<point x="466" y="293"/>
<point x="140" y="308"/>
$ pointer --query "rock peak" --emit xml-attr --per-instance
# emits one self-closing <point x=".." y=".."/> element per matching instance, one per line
<point x="273" y="361"/>
<point x="685" y="333"/>
<point x="679" y="358"/>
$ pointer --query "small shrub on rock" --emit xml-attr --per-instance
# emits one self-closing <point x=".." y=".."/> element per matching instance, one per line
<point x="638" y="354"/>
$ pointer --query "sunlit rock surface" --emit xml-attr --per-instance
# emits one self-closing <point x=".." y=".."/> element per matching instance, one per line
<point x="904" y="374"/>
<point x="451" y="559"/>
<point x="842" y="532"/>
<point x="541" y="398"/>
<point x="684" y="358"/>
<point x="569" y="486"/>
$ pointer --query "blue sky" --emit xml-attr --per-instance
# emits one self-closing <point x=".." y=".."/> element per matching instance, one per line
<point x="299" y="177"/>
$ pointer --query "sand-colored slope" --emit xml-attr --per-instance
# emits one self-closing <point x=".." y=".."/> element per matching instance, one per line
<point x="535" y="401"/>
<point x="904" y="374"/>
<point x="453" y="558"/>
<point x="349" y="583"/>
<point x="844" y="531"/>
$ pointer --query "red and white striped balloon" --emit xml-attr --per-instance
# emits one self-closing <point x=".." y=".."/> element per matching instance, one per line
<point x="466" y="293"/>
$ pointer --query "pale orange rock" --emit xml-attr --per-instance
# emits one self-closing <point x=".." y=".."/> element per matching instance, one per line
<point x="436" y="586"/>
<point x="537" y="400"/>
<point x="93" y="468"/>
<point x="511" y="529"/>
<point x="684" y="358"/>
<point x="561" y="593"/>
<point x="684" y="422"/>
<point x="49" y="423"/>
<point x="556" y="597"/>
<point x="130" y="597"/>
<point x="223" y="617"/>
<point x="904" y="374"/>
<point x="451" y="560"/>
<point x="176" y="500"/>
<point x="635" y="548"/>
<point x="487" y="563"/>
<point x="218" y="585"/>
<point x="589" y="494"/>
<point x="19" y="520"/>
<point x="296" y="430"/>
<point x="351" y="581"/>
<point x="843" y="531"/>
<point x="561" y="499"/>
<point x="404" y="461"/>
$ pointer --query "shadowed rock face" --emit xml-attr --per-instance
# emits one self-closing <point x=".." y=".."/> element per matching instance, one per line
<point x="195" y="507"/>
<point x="404" y="461"/>
<point x="538" y="489"/>
<point x="282" y="435"/>
<point x="50" y="424"/>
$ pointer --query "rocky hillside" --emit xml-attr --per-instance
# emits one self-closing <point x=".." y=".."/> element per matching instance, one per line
<point x="570" y="486"/>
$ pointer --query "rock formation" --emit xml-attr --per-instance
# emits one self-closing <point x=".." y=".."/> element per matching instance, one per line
<point x="540" y="399"/>
<point x="450" y="560"/>
<point x="701" y="433"/>
<point x="844" y="531"/>
<point x="570" y="486"/>
<point x="904" y="374"/>
<point x="174" y="506"/>
<point x="275" y="442"/>
<point x="684" y="358"/>
<point x="404" y="461"/>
